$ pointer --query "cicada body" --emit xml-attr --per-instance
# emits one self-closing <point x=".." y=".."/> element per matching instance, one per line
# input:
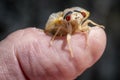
<point x="67" y="22"/>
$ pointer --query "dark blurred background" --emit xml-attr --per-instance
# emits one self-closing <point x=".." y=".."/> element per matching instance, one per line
<point x="19" y="14"/>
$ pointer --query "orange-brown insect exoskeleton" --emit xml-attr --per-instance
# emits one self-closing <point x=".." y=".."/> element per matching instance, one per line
<point x="66" y="23"/>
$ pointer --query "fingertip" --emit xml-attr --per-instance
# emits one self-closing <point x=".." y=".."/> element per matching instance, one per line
<point x="97" y="42"/>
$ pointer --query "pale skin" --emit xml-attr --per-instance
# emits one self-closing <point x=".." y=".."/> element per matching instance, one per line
<point x="26" y="55"/>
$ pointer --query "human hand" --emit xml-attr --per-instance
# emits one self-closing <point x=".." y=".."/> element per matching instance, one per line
<point x="26" y="55"/>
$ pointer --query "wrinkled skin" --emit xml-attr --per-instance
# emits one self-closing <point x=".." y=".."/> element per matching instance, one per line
<point x="27" y="55"/>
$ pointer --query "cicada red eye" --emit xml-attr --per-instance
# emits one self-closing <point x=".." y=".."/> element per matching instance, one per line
<point x="68" y="18"/>
<point x="83" y="13"/>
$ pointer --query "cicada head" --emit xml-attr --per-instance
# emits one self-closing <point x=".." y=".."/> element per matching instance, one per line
<point x="75" y="14"/>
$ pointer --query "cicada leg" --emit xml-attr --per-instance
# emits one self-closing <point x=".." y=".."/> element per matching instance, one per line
<point x="90" y="21"/>
<point x="52" y="39"/>
<point x="69" y="45"/>
<point x="86" y="28"/>
<point x="69" y="28"/>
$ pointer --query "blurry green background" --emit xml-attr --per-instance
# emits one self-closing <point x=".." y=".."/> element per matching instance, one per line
<point x="19" y="14"/>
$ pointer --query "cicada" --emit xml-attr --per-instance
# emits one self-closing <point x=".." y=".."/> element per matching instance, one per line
<point x="67" y="22"/>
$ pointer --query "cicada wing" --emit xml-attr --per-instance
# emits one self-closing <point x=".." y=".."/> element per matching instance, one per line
<point x="54" y="17"/>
